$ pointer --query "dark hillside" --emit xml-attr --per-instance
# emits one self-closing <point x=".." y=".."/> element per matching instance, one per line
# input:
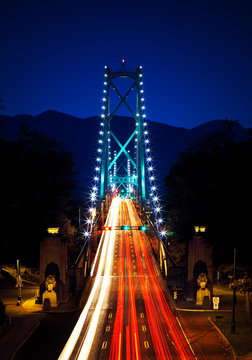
<point x="80" y="137"/>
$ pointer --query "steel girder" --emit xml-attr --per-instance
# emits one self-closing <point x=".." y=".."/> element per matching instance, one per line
<point x="138" y="178"/>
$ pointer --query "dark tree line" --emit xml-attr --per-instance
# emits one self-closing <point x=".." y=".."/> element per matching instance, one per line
<point x="212" y="185"/>
<point x="37" y="180"/>
<point x="2" y="107"/>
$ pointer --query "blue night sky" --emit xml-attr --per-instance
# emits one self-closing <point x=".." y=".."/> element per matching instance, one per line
<point x="196" y="56"/>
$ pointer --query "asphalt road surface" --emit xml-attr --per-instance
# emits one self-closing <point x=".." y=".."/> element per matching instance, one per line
<point x="128" y="313"/>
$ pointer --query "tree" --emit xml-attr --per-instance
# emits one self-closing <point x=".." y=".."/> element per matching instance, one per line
<point x="211" y="185"/>
<point x="244" y="285"/>
<point x="37" y="185"/>
<point x="2" y="107"/>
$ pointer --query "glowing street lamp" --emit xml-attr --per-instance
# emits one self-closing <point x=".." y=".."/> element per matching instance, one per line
<point x="53" y="230"/>
<point x="199" y="229"/>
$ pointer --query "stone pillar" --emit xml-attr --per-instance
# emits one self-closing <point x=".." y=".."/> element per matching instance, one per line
<point x="199" y="260"/>
<point x="53" y="261"/>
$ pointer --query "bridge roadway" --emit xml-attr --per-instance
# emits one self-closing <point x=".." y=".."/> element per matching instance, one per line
<point x="127" y="315"/>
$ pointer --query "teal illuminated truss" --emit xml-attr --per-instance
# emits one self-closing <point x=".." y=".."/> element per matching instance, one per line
<point x="124" y="168"/>
<point x="123" y="171"/>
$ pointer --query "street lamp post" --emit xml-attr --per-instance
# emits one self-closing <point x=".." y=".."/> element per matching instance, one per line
<point x="19" y="285"/>
<point x="234" y="297"/>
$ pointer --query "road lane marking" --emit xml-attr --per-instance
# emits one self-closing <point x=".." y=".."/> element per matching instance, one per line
<point x="146" y="344"/>
<point x="104" y="344"/>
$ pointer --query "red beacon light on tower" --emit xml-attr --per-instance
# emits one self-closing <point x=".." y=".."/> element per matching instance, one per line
<point x="123" y="62"/>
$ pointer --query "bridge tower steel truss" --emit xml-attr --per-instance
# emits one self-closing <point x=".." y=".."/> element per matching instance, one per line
<point x="103" y="180"/>
<point x="137" y="179"/>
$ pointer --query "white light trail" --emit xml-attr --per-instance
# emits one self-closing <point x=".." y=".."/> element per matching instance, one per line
<point x="110" y="238"/>
<point x="106" y="255"/>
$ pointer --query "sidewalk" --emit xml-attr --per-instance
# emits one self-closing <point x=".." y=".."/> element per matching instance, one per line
<point x="206" y="340"/>
<point x="24" y="320"/>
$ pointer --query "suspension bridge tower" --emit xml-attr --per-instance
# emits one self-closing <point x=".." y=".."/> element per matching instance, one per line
<point x="124" y="158"/>
<point x="123" y="163"/>
<point x="124" y="169"/>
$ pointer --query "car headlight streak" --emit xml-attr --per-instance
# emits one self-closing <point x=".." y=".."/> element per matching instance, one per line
<point x="101" y="282"/>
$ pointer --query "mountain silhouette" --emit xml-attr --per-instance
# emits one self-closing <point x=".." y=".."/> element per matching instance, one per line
<point x="80" y="137"/>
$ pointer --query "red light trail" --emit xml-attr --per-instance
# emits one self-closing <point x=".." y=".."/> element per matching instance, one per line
<point x="161" y="320"/>
<point x="142" y="324"/>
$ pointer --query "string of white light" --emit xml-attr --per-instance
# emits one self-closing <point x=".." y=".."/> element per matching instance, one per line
<point x="93" y="194"/>
<point x="154" y="196"/>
